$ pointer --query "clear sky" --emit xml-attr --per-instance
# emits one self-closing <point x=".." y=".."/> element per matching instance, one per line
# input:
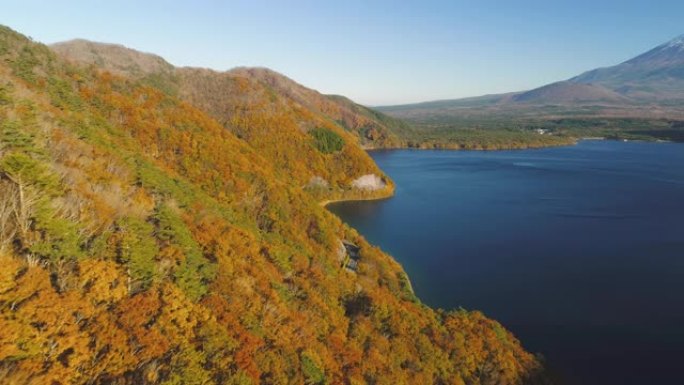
<point x="375" y="52"/>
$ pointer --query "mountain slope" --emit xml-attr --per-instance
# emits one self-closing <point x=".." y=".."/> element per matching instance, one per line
<point x="113" y="57"/>
<point x="285" y="121"/>
<point x="656" y="76"/>
<point x="143" y="243"/>
<point x="640" y="99"/>
<point x="371" y="128"/>
<point x="569" y="93"/>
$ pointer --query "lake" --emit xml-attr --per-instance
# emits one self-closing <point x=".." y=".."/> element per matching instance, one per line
<point x="578" y="250"/>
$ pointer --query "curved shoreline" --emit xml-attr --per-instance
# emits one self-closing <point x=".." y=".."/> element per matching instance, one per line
<point x="325" y="203"/>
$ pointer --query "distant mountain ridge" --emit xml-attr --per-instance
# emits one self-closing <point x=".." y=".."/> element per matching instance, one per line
<point x="568" y="93"/>
<point x="655" y="77"/>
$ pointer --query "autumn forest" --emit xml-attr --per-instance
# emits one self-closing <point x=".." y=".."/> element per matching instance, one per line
<point x="163" y="225"/>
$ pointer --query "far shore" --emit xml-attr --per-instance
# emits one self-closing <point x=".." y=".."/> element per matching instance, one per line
<point x="573" y="143"/>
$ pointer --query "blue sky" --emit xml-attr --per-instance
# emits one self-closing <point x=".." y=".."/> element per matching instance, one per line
<point x="376" y="52"/>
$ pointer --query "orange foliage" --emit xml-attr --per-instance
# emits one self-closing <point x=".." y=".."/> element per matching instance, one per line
<point x="274" y="304"/>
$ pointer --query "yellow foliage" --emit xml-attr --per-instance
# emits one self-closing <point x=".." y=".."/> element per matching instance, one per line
<point x="271" y="302"/>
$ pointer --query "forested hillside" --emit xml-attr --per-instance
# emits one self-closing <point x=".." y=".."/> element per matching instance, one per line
<point x="260" y="105"/>
<point x="143" y="241"/>
<point x="236" y="97"/>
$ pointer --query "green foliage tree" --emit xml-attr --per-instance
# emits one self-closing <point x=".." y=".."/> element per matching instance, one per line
<point x="138" y="250"/>
<point x="311" y="368"/>
<point x="24" y="63"/>
<point x="195" y="271"/>
<point x="188" y="368"/>
<point x="53" y="237"/>
<point x="326" y="141"/>
<point x="5" y="94"/>
<point x="15" y="136"/>
<point x="58" y="238"/>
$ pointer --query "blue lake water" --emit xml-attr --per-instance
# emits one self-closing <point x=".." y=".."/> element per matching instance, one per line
<point x="578" y="250"/>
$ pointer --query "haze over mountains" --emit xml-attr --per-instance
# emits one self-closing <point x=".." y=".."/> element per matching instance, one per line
<point x="655" y="78"/>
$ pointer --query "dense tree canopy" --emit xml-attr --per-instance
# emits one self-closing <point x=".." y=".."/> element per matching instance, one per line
<point x="143" y="242"/>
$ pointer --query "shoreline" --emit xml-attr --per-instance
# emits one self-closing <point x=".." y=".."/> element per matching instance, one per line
<point x="326" y="202"/>
<point x="512" y="148"/>
<point x="445" y="147"/>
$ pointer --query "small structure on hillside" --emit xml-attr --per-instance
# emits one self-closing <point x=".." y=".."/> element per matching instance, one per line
<point x="351" y="256"/>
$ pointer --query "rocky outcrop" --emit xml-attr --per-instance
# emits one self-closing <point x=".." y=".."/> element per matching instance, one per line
<point x="369" y="182"/>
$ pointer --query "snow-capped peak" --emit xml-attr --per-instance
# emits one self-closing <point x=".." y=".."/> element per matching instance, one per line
<point x="677" y="42"/>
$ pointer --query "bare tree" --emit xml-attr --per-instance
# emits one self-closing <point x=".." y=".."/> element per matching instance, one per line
<point x="9" y="196"/>
<point x="16" y="209"/>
